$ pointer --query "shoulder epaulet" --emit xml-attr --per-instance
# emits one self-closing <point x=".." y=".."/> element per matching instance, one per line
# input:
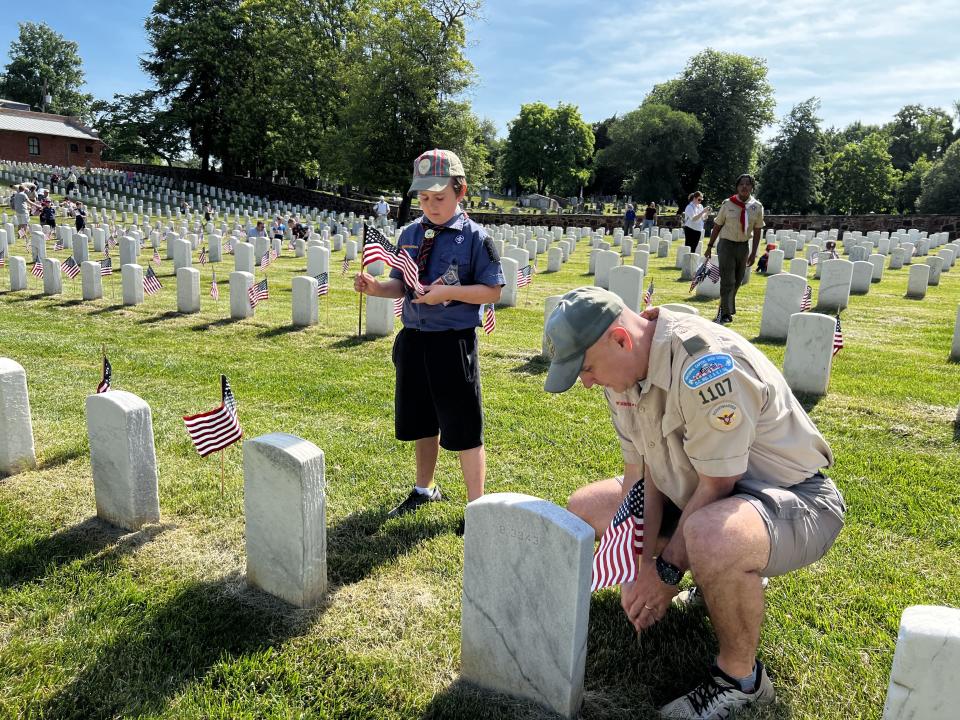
<point x="692" y="341"/>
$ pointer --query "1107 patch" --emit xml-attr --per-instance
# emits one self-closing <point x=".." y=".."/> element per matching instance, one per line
<point x="706" y="369"/>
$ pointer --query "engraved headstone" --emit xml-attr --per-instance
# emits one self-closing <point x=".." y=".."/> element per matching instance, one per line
<point x="917" y="281"/>
<point x="781" y="300"/>
<point x="131" y="281"/>
<point x="626" y="281"/>
<point x="16" y="429"/>
<point x="860" y="277"/>
<point x="52" y="279"/>
<point x="809" y="353"/>
<point x="605" y="262"/>
<point x="240" y="284"/>
<point x="834" y="284"/>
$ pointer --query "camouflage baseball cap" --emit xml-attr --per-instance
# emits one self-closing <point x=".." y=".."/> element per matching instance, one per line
<point x="433" y="170"/>
<point x="580" y="319"/>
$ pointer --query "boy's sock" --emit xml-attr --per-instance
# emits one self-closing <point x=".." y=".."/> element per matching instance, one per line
<point x="425" y="491"/>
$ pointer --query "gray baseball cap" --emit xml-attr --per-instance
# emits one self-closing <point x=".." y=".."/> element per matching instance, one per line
<point x="580" y="319"/>
<point x="433" y="170"/>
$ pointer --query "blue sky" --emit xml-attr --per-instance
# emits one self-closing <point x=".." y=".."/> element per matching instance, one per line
<point x="864" y="58"/>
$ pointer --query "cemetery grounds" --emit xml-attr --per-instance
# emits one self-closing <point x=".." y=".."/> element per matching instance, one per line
<point x="96" y="622"/>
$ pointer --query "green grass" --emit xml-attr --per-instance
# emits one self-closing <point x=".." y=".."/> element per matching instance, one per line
<point x="99" y="623"/>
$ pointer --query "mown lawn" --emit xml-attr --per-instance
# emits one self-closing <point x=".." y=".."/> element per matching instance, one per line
<point x="95" y="622"/>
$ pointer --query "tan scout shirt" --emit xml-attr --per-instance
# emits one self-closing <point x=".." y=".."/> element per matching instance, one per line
<point x="728" y="218"/>
<point x="714" y="404"/>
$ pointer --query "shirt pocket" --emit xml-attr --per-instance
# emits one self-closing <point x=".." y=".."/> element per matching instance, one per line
<point x="458" y="255"/>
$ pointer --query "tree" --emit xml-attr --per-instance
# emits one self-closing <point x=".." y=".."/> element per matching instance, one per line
<point x="135" y="128"/>
<point x="862" y="178"/>
<point x="908" y="190"/>
<point x="548" y="148"/>
<point x="917" y="131"/>
<point x="790" y="177"/>
<point x="41" y="56"/>
<point x="607" y="175"/>
<point x="730" y="95"/>
<point x="648" y="145"/>
<point x="941" y="184"/>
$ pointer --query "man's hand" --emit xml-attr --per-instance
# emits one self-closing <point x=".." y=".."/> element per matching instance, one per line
<point x="646" y="599"/>
<point x="707" y="253"/>
<point x="750" y="259"/>
<point x="434" y="295"/>
<point x="366" y="283"/>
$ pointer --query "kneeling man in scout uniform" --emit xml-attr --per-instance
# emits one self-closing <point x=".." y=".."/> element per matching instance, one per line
<point x="731" y="469"/>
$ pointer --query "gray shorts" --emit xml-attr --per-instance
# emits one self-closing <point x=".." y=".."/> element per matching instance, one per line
<point x="803" y="520"/>
<point x="23" y="218"/>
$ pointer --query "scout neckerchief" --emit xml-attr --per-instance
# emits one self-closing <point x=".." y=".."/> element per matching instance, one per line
<point x="430" y="231"/>
<point x="743" y="210"/>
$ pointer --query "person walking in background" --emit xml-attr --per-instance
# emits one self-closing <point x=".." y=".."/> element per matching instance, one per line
<point x="693" y="220"/>
<point x="629" y="219"/>
<point x="738" y="223"/>
<point x="649" y="217"/>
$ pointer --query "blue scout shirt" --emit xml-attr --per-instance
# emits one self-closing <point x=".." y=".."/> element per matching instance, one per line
<point x="462" y="252"/>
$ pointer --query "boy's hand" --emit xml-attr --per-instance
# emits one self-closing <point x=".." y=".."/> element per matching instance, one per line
<point x="366" y="283"/>
<point x="434" y="295"/>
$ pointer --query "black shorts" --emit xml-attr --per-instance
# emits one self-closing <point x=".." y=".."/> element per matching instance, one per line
<point x="438" y="387"/>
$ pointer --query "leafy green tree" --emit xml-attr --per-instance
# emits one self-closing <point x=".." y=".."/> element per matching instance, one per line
<point x="941" y="184"/>
<point x="730" y="95"/>
<point x="135" y="128"/>
<point x="917" y="131"/>
<point x="862" y="179"/>
<point x="908" y="190"/>
<point x="790" y="176"/>
<point x="648" y="145"/>
<point x="607" y="176"/>
<point x="41" y="56"/>
<point x="548" y="148"/>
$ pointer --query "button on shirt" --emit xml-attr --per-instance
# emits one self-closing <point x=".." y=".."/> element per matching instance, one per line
<point x="728" y="218"/>
<point x="462" y="253"/>
<point x="714" y="404"/>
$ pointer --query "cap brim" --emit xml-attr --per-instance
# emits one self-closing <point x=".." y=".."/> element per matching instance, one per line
<point x="562" y="375"/>
<point x="428" y="184"/>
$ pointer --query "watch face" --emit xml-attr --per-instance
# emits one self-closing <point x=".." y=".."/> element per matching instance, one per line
<point x="670" y="574"/>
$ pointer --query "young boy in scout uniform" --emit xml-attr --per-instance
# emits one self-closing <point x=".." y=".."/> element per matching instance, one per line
<point x="730" y="464"/>
<point x="438" y="401"/>
<point x="737" y="224"/>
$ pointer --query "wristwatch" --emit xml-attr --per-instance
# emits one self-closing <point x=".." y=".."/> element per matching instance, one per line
<point x="669" y="574"/>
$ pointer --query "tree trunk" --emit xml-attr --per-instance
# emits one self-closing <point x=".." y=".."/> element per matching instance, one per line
<point x="403" y="213"/>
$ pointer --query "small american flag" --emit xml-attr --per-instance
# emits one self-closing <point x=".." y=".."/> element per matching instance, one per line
<point x="151" y="283"/>
<point x="706" y="270"/>
<point x="265" y="261"/>
<point x="106" y="267"/>
<point x="344" y="267"/>
<point x="648" y="295"/>
<point x="58" y="245"/>
<point x="3" y="258"/>
<point x="106" y="377"/>
<point x="814" y="257"/>
<point x="229" y="247"/>
<point x="70" y="268"/>
<point x="218" y="428"/>
<point x="616" y="558"/>
<point x="837" y="337"/>
<point x="398" y="307"/>
<point x="274" y="254"/>
<point x="214" y="288"/>
<point x="258" y="292"/>
<point x="323" y="284"/>
<point x="292" y="245"/>
<point x="203" y="256"/>
<point x="806" y="302"/>
<point x="523" y="276"/>
<point x="489" y="319"/>
<point x="376" y="246"/>
<point x="38" y="269"/>
<point x="156" y="256"/>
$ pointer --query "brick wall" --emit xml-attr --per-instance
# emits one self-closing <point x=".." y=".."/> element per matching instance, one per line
<point x="54" y="150"/>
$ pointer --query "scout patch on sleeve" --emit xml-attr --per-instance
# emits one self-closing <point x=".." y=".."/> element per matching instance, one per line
<point x="709" y="367"/>
<point x="724" y="417"/>
<point x="491" y="249"/>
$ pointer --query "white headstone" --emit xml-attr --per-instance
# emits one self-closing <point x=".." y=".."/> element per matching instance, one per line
<point x="955" y="349"/>
<point x="526" y="599"/>
<point x="935" y="264"/>
<point x="260" y="247"/>
<point x="682" y="252"/>
<point x="834" y="284"/>
<point x="774" y="262"/>
<point x="243" y="258"/>
<point x="663" y="248"/>
<point x="918" y="281"/>
<point x="305" y="307"/>
<point x="285" y="517"/>
<point x="626" y="282"/>
<point x="188" y="290"/>
<point x="91" y="282"/>
<point x="81" y="248"/>
<point x="120" y="430"/>
<point x="809" y="352"/>
<point x="861" y="277"/>
<point x="52" y="280"/>
<point x="641" y="259"/>
<point x="379" y="316"/>
<point x="896" y="258"/>
<point x="130" y="250"/>
<point x="554" y="259"/>
<point x="38" y="246"/>
<point x="18" y="273"/>
<point x="508" y="293"/>
<point x="681" y="308"/>
<point x="240" y="284"/>
<point x="923" y="679"/>
<point x="876" y="259"/>
<point x="131" y="280"/>
<point x="549" y="305"/>
<point x="215" y="245"/>
<point x="351" y="250"/>
<point x="16" y="429"/>
<point x="799" y="266"/>
<point x="789" y="248"/>
<point x="781" y="301"/>
<point x="606" y="261"/>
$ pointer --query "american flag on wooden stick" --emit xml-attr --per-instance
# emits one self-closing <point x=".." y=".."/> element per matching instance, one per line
<point x="58" y="245"/>
<point x="523" y="276"/>
<point x="806" y="302"/>
<point x="648" y="295"/>
<point x="344" y="266"/>
<point x="218" y="428"/>
<point x="3" y="258"/>
<point x="203" y="256"/>
<point x="616" y="558"/>
<point x="376" y="246"/>
<point x="258" y="292"/>
<point x="214" y="288"/>
<point x="706" y="270"/>
<point x="38" y="269"/>
<point x="323" y="284"/>
<point x="156" y="256"/>
<point x="837" y="337"/>
<point x="70" y="268"/>
<point x="489" y="319"/>
<point x="265" y="261"/>
<point x="106" y="267"/>
<point x="106" y="376"/>
<point x="151" y="283"/>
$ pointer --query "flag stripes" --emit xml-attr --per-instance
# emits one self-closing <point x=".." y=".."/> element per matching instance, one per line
<point x="376" y="246"/>
<point x="616" y="558"/>
<point x="489" y="319"/>
<point x="70" y="268"/>
<point x="151" y="283"/>
<point x="106" y="376"/>
<point x="837" y="337"/>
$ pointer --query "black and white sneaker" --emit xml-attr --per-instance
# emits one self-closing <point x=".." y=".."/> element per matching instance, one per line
<point x="414" y="500"/>
<point x="720" y="696"/>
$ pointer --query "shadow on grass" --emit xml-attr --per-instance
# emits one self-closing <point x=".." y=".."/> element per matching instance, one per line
<point x="164" y="646"/>
<point x="108" y="309"/>
<point x="282" y="330"/>
<point x="808" y="401"/>
<point x="42" y="555"/>
<point x="537" y="365"/>
<point x="772" y="342"/>
<point x="25" y="298"/>
<point x="169" y="315"/>
<point x="214" y="324"/>
<point x="365" y="540"/>
<point x="956" y="428"/>
<point x="61" y="458"/>
<point x="72" y="303"/>
<point x="353" y="341"/>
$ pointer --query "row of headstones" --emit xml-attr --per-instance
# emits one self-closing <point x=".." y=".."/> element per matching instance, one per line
<point x="527" y="563"/>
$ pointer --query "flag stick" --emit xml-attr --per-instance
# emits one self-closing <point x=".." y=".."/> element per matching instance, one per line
<point x="221" y="473"/>
<point x="360" y="312"/>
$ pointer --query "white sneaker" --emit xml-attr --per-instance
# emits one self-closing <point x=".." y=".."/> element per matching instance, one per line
<point x="719" y="697"/>
<point x="693" y="597"/>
